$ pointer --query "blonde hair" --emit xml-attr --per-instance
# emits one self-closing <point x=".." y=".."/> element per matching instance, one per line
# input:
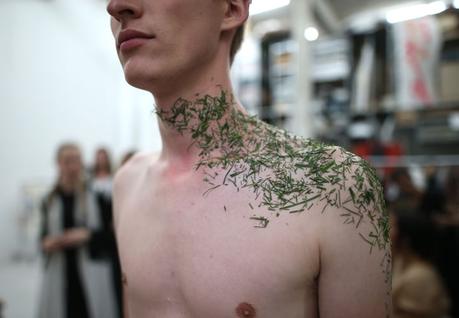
<point x="64" y="147"/>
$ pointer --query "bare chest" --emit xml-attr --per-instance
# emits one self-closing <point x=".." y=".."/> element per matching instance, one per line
<point x="190" y="254"/>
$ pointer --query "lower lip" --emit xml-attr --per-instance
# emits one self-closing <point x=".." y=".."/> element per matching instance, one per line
<point x="132" y="44"/>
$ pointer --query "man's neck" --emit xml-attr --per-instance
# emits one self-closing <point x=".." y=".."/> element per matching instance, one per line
<point x="190" y="126"/>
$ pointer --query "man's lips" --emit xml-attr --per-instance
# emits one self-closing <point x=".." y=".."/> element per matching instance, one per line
<point x="132" y="35"/>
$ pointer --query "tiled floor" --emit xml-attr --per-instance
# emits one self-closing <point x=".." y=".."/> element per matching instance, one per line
<point x="19" y="286"/>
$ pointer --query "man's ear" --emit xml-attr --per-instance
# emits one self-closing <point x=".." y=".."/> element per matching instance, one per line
<point x="236" y="13"/>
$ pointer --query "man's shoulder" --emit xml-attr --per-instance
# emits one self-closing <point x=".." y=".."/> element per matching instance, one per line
<point x="308" y="150"/>
<point x="296" y="175"/>
<point x="355" y="197"/>
<point x="134" y="168"/>
<point x="337" y="182"/>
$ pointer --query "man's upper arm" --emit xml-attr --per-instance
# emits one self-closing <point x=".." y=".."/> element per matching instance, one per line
<point x="355" y="276"/>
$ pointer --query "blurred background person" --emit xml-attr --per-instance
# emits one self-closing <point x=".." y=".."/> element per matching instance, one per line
<point x="1" y="308"/>
<point x="452" y="196"/>
<point x="402" y="193"/>
<point x="418" y="289"/>
<point x="77" y="281"/>
<point x="101" y="175"/>
<point x="447" y="221"/>
<point x="104" y="239"/>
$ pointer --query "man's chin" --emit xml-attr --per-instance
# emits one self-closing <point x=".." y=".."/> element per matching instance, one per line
<point x="141" y="81"/>
<point x="148" y="80"/>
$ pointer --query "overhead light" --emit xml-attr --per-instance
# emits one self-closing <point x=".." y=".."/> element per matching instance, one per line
<point x="416" y="11"/>
<point x="311" y="34"/>
<point x="261" y="6"/>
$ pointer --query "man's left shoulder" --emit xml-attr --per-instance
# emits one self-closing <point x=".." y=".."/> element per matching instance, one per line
<point x="353" y="235"/>
<point x="348" y="187"/>
<point x="363" y="205"/>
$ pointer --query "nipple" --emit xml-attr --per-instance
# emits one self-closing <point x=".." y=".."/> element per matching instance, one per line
<point x="245" y="310"/>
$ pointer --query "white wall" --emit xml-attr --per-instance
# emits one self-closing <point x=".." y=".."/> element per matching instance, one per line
<point x="60" y="80"/>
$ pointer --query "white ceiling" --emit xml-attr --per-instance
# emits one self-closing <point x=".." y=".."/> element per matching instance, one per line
<point x="346" y="8"/>
<point x="337" y="10"/>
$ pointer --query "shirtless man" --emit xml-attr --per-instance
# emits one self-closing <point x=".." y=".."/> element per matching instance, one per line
<point x="235" y="218"/>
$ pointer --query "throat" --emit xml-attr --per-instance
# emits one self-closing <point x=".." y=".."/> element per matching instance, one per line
<point x="202" y="128"/>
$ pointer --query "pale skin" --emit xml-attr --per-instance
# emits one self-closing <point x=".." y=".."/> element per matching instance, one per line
<point x="187" y="252"/>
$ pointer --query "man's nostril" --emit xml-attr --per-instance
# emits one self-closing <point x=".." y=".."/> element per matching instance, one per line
<point x="126" y="12"/>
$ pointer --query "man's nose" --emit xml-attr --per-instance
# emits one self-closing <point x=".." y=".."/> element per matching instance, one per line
<point x="124" y="9"/>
